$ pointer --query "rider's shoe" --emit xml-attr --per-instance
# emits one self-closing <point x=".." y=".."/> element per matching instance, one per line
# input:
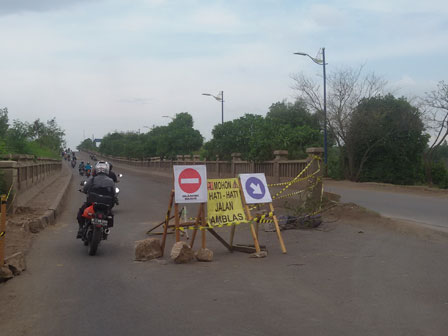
<point x="79" y="234"/>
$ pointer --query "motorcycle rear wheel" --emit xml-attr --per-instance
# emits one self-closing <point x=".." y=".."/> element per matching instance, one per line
<point x="95" y="241"/>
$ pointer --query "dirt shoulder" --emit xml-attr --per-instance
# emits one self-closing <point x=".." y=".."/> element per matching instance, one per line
<point x="357" y="216"/>
<point x="416" y="190"/>
<point x="39" y="212"/>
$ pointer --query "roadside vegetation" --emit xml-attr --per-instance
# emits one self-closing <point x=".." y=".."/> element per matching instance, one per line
<point x="373" y="135"/>
<point x="37" y="138"/>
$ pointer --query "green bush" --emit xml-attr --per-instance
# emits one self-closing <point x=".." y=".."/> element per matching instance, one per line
<point x="335" y="168"/>
<point x="440" y="175"/>
<point x="3" y="187"/>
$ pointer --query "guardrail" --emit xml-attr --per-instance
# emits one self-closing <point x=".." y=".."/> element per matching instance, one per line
<point x="278" y="170"/>
<point x="22" y="172"/>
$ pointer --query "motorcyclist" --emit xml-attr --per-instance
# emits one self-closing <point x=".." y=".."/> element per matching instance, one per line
<point x="99" y="188"/>
<point x="81" y="165"/>
<point x="112" y="175"/>
<point x="88" y="167"/>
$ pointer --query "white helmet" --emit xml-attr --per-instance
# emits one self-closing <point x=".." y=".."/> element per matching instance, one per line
<point x="102" y="168"/>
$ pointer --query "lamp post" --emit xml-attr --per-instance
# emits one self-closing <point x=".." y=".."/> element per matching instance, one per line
<point x="321" y="62"/>
<point x="219" y="97"/>
<point x="168" y="117"/>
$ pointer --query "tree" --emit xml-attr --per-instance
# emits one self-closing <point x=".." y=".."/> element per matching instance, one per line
<point x="437" y="103"/>
<point x="234" y="137"/>
<point x="293" y="114"/>
<point x="178" y="138"/>
<point x="3" y="122"/>
<point x="17" y="136"/>
<point x="48" y="135"/>
<point x="385" y="141"/>
<point x="86" y="144"/>
<point x="286" y="126"/>
<point x="346" y="87"/>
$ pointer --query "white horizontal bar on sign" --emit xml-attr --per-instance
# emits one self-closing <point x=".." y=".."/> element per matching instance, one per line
<point x="189" y="180"/>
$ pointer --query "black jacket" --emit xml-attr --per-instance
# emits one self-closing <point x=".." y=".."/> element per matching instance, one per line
<point x="113" y="176"/>
<point x="100" y="188"/>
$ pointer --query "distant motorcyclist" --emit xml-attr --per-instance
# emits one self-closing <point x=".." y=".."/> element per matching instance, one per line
<point x="88" y="169"/>
<point x="112" y="175"/>
<point x="99" y="188"/>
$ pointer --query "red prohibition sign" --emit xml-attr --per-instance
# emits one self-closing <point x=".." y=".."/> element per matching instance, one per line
<point x="189" y="180"/>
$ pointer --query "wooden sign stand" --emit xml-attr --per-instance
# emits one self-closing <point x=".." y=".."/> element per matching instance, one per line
<point x="249" y="218"/>
<point x="200" y="221"/>
<point x="252" y="229"/>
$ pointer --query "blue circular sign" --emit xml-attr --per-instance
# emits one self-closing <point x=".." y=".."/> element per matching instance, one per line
<point x="255" y="188"/>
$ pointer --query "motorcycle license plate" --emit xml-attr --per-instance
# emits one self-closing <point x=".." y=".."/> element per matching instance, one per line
<point x="99" y="221"/>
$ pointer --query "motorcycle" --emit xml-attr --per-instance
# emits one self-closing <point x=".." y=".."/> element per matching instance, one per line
<point x="97" y="225"/>
<point x="116" y="202"/>
<point x="73" y="163"/>
<point x="88" y="172"/>
<point x="81" y="171"/>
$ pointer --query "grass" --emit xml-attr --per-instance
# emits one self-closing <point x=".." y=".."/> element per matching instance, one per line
<point x="35" y="149"/>
<point x="30" y="148"/>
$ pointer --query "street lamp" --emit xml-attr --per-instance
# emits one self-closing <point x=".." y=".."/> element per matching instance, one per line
<point x="219" y="97"/>
<point x="168" y="117"/>
<point x="321" y="62"/>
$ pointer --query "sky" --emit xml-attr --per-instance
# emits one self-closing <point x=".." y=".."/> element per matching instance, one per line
<point x="105" y="65"/>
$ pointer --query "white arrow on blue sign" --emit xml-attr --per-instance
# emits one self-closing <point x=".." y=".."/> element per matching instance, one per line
<point x="255" y="188"/>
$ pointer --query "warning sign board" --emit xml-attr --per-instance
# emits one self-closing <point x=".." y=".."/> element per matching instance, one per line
<point x="224" y="204"/>
<point x="255" y="188"/>
<point x="190" y="184"/>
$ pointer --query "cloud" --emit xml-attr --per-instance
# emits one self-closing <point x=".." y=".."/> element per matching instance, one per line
<point x="135" y="100"/>
<point x="20" y="6"/>
<point x="214" y="19"/>
<point x="327" y="16"/>
<point x="395" y="7"/>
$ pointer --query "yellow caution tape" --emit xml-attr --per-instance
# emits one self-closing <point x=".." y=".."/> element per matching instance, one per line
<point x="297" y="179"/>
<point x="268" y="215"/>
<point x="199" y="227"/>
<point x="289" y="195"/>
<point x="9" y="192"/>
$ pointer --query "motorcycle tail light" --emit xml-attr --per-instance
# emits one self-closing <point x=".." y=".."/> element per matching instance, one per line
<point x="100" y="216"/>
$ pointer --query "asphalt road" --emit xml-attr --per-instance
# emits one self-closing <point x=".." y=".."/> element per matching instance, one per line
<point x="427" y="209"/>
<point x="332" y="282"/>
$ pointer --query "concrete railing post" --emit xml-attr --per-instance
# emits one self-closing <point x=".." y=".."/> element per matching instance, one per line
<point x="315" y="155"/>
<point x="218" y="170"/>
<point x="280" y="155"/>
<point x="10" y="177"/>
<point x="235" y="158"/>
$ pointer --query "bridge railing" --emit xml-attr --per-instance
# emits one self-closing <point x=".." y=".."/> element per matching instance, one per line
<point x="278" y="170"/>
<point x="22" y="172"/>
